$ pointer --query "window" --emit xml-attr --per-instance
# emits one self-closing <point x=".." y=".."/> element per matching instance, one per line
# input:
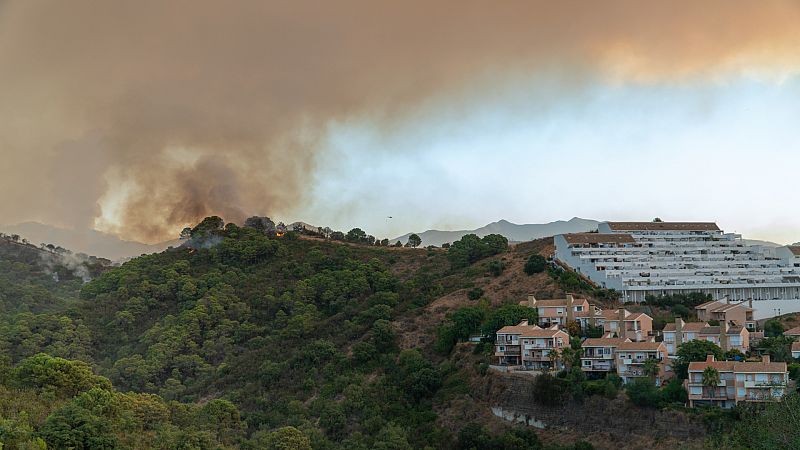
<point x="502" y="349"/>
<point x="740" y="392"/>
<point x="695" y="390"/>
<point x="739" y="377"/>
<point x="587" y="362"/>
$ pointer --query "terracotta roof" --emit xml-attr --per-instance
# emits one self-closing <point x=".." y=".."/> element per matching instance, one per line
<point x="728" y="306"/>
<point x="612" y="314"/>
<point x="542" y="333"/>
<point x="529" y="331"/>
<point x="692" y="327"/>
<point x="660" y="226"/>
<point x="792" y="332"/>
<point x="513" y="329"/>
<point x="795" y="249"/>
<point x="723" y="366"/>
<point x="602" y="342"/>
<point x="707" y="304"/>
<point x="552" y="303"/>
<point x="640" y="346"/>
<point x="598" y="238"/>
<point x="754" y="367"/>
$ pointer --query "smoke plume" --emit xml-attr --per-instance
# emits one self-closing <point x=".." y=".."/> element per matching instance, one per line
<point x="143" y="117"/>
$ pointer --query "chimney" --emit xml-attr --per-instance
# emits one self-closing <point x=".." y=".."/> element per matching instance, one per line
<point x="592" y="316"/>
<point x="765" y="359"/>
<point x="709" y="358"/>
<point x="750" y="303"/>
<point x="570" y="312"/>
<point x="728" y="299"/>
<point x="723" y="335"/>
<point x="622" y="333"/>
<point x="678" y="332"/>
<point x="531" y="301"/>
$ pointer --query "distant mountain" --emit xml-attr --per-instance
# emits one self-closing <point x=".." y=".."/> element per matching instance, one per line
<point x="87" y="241"/>
<point x="512" y="231"/>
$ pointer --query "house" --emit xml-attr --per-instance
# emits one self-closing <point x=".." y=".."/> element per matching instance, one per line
<point x="631" y="358"/>
<point x="599" y="354"/>
<point x="726" y="336"/>
<point x="529" y="346"/>
<point x="562" y="311"/>
<point x="795" y="350"/>
<point x="738" y="382"/>
<point x="740" y="313"/>
<point x="793" y="332"/>
<point x="635" y="326"/>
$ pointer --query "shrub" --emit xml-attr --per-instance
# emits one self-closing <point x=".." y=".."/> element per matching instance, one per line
<point x="475" y="293"/>
<point x="535" y="264"/>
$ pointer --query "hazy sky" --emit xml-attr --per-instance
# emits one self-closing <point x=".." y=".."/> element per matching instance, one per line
<point x="139" y="118"/>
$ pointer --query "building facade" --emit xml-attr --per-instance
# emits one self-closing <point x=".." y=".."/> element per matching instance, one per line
<point x="726" y="336"/>
<point x="662" y="258"/>
<point x="738" y="382"/>
<point x="632" y="357"/>
<point x="599" y="354"/>
<point x="530" y="347"/>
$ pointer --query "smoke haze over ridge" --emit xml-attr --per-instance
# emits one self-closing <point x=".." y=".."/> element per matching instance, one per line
<point x="142" y="117"/>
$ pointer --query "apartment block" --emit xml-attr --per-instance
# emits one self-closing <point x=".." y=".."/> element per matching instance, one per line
<point x="661" y="258"/>
<point x="625" y="324"/>
<point x="621" y="322"/>
<point x="562" y="311"/>
<point x="726" y="336"/>
<point x="740" y="313"/>
<point x="529" y="346"/>
<point x="631" y="358"/>
<point x="599" y="354"/>
<point x="738" y="382"/>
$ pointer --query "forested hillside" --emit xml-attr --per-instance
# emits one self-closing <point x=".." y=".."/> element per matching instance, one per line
<point x="247" y="339"/>
<point x="273" y="331"/>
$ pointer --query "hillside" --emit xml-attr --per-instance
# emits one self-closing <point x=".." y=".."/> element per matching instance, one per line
<point x="338" y="342"/>
<point x="513" y="232"/>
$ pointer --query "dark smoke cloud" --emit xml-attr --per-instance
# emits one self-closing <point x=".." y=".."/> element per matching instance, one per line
<point x="168" y="111"/>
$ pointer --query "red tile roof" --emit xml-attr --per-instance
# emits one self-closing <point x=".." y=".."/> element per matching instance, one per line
<point x="792" y="332"/>
<point x="661" y="226"/>
<point x="597" y="238"/>
<point x="640" y="346"/>
<point x="795" y="249"/>
<point x="602" y="342"/>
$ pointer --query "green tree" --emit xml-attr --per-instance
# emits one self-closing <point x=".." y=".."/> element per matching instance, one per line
<point x="414" y="240"/>
<point x="694" y="350"/>
<point x="535" y="264"/>
<point x="208" y="225"/>
<point x="650" y="367"/>
<point x="285" y="438"/>
<point x="773" y="328"/>
<point x="356" y="235"/>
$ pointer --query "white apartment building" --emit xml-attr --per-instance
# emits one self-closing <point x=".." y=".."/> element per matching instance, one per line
<point x="661" y="258"/>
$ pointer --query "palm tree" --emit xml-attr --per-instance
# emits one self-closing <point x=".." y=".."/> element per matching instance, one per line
<point x="711" y="379"/>
<point x="651" y="368"/>
<point x="554" y="356"/>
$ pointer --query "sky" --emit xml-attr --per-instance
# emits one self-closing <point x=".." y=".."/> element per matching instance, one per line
<point x="140" y="118"/>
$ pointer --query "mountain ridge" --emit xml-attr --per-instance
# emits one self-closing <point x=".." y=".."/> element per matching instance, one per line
<point x="513" y="232"/>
